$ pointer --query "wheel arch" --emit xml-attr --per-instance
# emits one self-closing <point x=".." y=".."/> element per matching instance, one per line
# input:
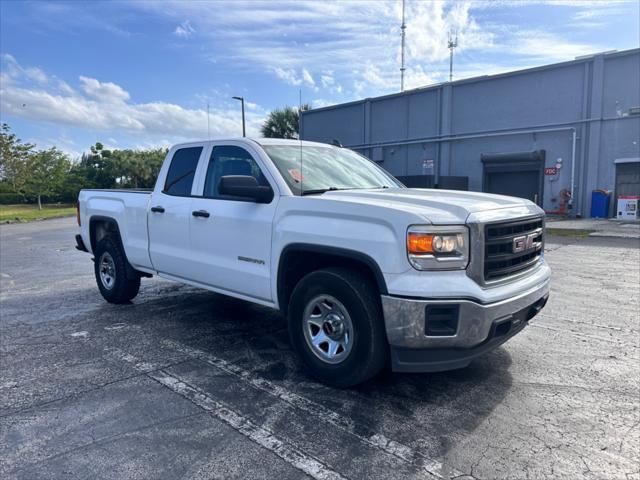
<point x="101" y="226"/>
<point x="298" y="259"/>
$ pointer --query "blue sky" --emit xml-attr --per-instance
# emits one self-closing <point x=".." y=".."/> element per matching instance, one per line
<point x="139" y="74"/>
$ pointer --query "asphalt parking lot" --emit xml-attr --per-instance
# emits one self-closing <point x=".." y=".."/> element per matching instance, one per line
<point x="185" y="383"/>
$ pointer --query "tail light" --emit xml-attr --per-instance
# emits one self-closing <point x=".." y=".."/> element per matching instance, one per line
<point x="78" y="213"/>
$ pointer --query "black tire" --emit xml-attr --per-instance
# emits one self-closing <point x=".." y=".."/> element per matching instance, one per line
<point x="125" y="281"/>
<point x="369" y="351"/>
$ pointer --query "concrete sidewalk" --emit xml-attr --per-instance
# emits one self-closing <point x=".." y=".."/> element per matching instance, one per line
<point x="594" y="227"/>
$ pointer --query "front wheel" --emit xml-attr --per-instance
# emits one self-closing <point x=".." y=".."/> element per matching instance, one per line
<point x="336" y="326"/>
<point x="117" y="281"/>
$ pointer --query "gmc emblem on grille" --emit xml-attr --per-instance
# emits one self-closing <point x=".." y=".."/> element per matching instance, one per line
<point x="524" y="243"/>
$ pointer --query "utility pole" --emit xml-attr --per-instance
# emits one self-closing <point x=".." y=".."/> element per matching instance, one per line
<point x="242" y="102"/>
<point x="451" y="45"/>
<point x="402" y="34"/>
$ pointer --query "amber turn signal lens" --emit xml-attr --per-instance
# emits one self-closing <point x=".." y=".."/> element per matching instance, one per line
<point x="418" y="243"/>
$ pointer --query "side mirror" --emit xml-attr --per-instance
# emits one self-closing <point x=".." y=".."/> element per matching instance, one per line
<point x="244" y="187"/>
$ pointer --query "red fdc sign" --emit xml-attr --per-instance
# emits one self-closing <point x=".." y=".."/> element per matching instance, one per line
<point x="551" y="171"/>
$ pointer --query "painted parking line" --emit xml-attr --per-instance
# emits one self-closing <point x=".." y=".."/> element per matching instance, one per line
<point x="260" y="435"/>
<point x="379" y="441"/>
<point x="119" y="355"/>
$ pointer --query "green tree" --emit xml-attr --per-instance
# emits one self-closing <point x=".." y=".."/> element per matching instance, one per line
<point x="97" y="167"/>
<point x="283" y="123"/>
<point x="137" y="168"/>
<point x="46" y="174"/>
<point x="49" y="174"/>
<point x="74" y="181"/>
<point x="14" y="155"/>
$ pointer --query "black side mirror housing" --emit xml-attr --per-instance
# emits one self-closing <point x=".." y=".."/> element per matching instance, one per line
<point x="245" y="187"/>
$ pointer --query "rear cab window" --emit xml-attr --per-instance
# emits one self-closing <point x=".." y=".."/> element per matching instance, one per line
<point x="182" y="171"/>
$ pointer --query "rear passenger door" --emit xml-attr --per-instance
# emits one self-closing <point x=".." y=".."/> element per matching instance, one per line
<point x="231" y="245"/>
<point x="170" y="214"/>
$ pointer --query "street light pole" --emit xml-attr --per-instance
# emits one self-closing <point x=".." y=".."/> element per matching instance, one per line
<point x="242" y="102"/>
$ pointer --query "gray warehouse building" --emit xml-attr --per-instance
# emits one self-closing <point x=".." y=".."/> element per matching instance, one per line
<point x="552" y="134"/>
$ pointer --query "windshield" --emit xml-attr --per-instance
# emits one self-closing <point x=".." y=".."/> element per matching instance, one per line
<point x="319" y="169"/>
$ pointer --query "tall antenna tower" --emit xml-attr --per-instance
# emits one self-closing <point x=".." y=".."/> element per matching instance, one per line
<point x="402" y="68"/>
<point x="451" y="45"/>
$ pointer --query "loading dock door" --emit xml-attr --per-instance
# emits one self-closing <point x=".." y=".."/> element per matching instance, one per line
<point x="517" y="174"/>
<point x="627" y="176"/>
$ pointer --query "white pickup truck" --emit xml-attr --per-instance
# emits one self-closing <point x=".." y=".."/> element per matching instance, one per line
<point x="367" y="272"/>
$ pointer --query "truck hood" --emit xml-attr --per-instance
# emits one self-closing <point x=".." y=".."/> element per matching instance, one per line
<point x="435" y="206"/>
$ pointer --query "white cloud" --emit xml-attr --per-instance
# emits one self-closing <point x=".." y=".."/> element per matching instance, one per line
<point x="545" y="46"/>
<point x="321" y="102"/>
<point x="597" y="16"/>
<point x="288" y="75"/>
<point x="327" y="81"/>
<point x="340" y="50"/>
<point x="373" y="76"/>
<point x="419" y="77"/>
<point x="107" y="107"/>
<point x="106" y="92"/>
<point x="501" y="4"/>
<point x="64" y="87"/>
<point x="307" y="78"/>
<point x="287" y="38"/>
<point x="429" y="25"/>
<point x="292" y="77"/>
<point x="184" y="30"/>
<point x="36" y="74"/>
<point x="14" y="69"/>
<point x="293" y="39"/>
<point x="251" y="106"/>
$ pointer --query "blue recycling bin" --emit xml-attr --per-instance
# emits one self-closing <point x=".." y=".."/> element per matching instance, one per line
<point x="600" y="200"/>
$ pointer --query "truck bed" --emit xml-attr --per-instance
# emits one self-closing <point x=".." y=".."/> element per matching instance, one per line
<point x="124" y="190"/>
<point x="129" y="209"/>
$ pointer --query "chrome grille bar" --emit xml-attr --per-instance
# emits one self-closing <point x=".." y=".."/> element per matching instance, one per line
<point x="512" y="247"/>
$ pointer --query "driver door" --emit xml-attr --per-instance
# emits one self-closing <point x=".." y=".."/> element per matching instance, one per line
<point x="231" y="237"/>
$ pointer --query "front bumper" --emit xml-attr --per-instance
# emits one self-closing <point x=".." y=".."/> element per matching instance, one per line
<point x="478" y="328"/>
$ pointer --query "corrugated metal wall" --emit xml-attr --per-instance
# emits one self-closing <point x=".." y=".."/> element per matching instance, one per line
<point x="452" y="125"/>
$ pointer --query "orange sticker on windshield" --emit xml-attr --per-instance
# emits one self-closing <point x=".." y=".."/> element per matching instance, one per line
<point x="295" y="174"/>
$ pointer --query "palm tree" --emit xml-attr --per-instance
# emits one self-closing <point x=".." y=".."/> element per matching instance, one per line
<point x="283" y="123"/>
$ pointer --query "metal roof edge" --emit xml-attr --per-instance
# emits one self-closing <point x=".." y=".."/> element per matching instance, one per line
<point x="480" y="78"/>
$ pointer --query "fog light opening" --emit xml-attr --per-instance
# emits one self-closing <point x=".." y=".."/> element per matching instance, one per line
<point x="441" y="320"/>
<point x="503" y="328"/>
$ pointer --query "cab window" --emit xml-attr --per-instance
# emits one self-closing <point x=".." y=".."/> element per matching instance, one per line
<point x="182" y="171"/>
<point x="230" y="160"/>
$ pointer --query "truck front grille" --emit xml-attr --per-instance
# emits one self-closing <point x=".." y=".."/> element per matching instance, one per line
<point x="512" y="247"/>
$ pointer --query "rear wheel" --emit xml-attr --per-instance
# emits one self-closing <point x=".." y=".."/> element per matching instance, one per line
<point x="117" y="281"/>
<point x="336" y="326"/>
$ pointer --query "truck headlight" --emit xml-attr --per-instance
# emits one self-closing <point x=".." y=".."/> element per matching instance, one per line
<point x="438" y="248"/>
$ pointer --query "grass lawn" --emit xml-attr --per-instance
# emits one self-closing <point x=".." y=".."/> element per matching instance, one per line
<point x="26" y="213"/>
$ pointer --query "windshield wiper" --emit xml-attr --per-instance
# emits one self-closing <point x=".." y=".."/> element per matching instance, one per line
<point x="316" y="191"/>
<point x="321" y="190"/>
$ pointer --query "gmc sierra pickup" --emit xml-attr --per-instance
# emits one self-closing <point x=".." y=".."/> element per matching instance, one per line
<point x="366" y="271"/>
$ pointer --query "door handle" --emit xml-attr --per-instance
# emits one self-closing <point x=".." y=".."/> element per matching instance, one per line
<point x="200" y="213"/>
<point x="157" y="209"/>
